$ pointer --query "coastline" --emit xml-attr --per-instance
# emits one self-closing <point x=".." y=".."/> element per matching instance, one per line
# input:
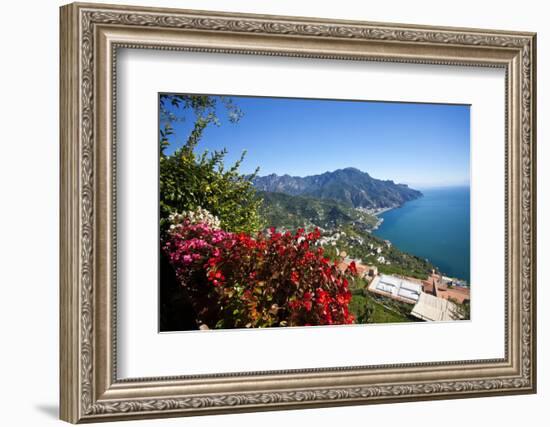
<point x="383" y="210"/>
<point x="376" y="213"/>
<point x="422" y="228"/>
<point x="379" y="211"/>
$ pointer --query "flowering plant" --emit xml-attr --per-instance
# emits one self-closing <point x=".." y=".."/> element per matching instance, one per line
<point x="237" y="280"/>
<point x="197" y="216"/>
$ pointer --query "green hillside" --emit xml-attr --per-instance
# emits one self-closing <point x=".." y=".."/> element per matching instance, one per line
<point x="291" y="212"/>
<point x="369" y="249"/>
<point x="344" y="229"/>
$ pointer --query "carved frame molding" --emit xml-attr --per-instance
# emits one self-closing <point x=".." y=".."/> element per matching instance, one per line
<point x="90" y="37"/>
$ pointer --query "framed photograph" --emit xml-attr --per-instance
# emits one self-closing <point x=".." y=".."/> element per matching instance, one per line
<point x="266" y="212"/>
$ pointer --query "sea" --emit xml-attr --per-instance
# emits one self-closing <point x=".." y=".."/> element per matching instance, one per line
<point x="436" y="226"/>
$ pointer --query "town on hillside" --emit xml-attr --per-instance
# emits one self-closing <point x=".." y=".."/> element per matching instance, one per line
<point x="400" y="285"/>
<point x="435" y="298"/>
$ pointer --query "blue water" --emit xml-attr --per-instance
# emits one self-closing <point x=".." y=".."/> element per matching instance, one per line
<point x="435" y="226"/>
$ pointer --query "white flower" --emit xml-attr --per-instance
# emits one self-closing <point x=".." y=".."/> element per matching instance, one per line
<point x="197" y="216"/>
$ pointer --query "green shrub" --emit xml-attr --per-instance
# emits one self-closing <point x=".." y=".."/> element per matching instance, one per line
<point x="189" y="181"/>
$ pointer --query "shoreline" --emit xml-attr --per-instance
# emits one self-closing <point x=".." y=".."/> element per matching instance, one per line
<point x="454" y="267"/>
<point x="383" y="210"/>
<point x="379" y="220"/>
<point x="376" y="212"/>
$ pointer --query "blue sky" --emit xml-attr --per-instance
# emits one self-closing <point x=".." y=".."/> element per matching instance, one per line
<point x="422" y="145"/>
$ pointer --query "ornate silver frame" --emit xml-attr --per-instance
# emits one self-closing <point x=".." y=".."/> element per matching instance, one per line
<point x="90" y="36"/>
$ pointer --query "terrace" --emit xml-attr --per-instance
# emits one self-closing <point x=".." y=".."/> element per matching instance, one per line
<point x="397" y="288"/>
<point x="432" y="308"/>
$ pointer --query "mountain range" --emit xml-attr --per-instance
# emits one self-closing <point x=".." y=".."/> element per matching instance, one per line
<point x="349" y="186"/>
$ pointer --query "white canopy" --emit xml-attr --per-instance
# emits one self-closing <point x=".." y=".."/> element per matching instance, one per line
<point x="433" y="308"/>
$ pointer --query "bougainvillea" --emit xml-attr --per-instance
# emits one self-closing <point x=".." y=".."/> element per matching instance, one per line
<point x="236" y="280"/>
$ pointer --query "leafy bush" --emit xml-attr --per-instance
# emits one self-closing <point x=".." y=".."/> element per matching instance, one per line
<point x="189" y="181"/>
<point x="234" y="280"/>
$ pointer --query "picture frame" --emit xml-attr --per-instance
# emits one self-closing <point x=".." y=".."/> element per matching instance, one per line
<point x="91" y="36"/>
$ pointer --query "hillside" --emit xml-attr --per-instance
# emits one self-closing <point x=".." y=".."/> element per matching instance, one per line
<point x="372" y="250"/>
<point x="350" y="186"/>
<point x="291" y="212"/>
<point x="344" y="229"/>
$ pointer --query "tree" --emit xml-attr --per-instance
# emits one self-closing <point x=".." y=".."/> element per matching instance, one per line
<point x="189" y="181"/>
<point x="173" y="106"/>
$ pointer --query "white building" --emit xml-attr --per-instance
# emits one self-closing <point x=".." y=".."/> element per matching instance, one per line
<point x="396" y="288"/>
<point x="432" y="308"/>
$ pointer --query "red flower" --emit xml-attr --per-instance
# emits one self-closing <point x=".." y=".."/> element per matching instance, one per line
<point x="211" y="262"/>
<point x="264" y="264"/>
<point x="216" y="276"/>
<point x="345" y="283"/>
<point x="316" y="233"/>
<point x="293" y="305"/>
<point x="322" y="296"/>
